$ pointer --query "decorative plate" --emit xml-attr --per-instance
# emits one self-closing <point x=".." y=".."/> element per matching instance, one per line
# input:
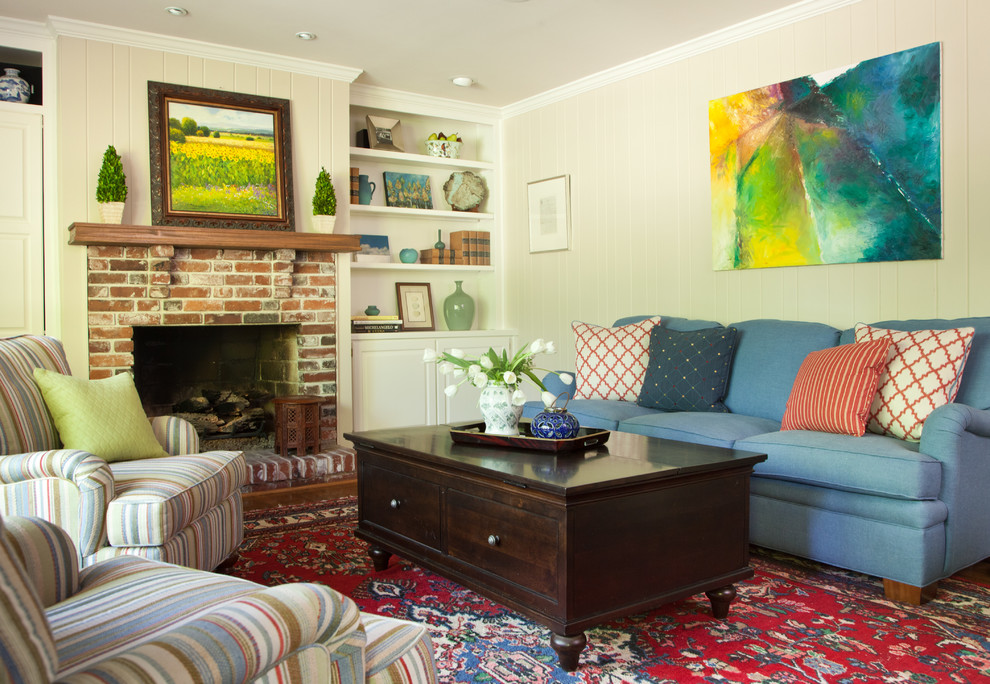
<point x="465" y="191"/>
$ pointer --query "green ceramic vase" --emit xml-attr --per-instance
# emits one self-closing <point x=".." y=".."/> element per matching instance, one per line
<point x="458" y="309"/>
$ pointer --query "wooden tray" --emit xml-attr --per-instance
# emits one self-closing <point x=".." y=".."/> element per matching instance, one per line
<point x="474" y="433"/>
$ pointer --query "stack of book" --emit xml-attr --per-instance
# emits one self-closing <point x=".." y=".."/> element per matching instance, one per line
<point x="438" y="256"/>
<point x="365" y="324"/>
<point x="471" y="247"/>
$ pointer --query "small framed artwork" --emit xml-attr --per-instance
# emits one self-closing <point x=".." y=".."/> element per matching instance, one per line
<point x="219" y="159"/>
<point x="374" y="249"/>
<point x="410" y="190"/>
<point x="550" y="214"/>
<point x="384" y="133"/>
<point x="415" y="306"/>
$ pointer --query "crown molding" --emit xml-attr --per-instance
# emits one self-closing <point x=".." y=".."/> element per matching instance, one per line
<point x="427" y="105"/>
<point x="17" y="32"/>
<point x="717" y="39"/>
<point x="61" y="26"/>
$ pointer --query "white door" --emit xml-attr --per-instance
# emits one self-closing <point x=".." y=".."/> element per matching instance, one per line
<point x="21" y="221"/>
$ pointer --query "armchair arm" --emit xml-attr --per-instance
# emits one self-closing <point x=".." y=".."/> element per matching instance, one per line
<point x="240" y="640"/>
<point x="176" y="435"/>
<point x="959" y="436"/>
<point x="67" y="487"/>
<point x="47" y="551"/>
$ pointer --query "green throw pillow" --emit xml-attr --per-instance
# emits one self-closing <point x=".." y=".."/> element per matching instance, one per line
<point x="103" y="417"/>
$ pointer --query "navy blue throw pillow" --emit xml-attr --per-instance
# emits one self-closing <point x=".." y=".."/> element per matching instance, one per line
<point x="688" y="371"/>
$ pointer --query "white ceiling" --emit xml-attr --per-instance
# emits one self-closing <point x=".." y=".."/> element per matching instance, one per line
<point x="513" y="49"/>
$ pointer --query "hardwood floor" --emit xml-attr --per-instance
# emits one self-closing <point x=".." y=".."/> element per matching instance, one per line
<point x="288" y="496"/>
<point x="979" y="572"/>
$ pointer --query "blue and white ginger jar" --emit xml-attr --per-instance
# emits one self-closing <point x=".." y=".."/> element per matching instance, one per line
<point x="554" y="422"/>
<point x="13" y="88"/>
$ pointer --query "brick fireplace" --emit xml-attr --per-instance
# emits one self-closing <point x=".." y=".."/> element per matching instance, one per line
<point x="158" y="276"/>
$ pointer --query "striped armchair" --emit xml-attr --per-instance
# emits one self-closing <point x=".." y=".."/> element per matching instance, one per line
<point x="130" y="619"/>
<point x="184" y="509"/>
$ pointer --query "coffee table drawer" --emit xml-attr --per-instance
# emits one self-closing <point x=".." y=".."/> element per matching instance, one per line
<point x="402" y="504"/>
<point x="515" y="544"/>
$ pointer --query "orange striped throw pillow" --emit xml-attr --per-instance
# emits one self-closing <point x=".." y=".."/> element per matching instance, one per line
<point x="834" y="388"/>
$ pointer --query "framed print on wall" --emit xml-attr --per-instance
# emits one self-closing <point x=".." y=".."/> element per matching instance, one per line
<point x="415" y="306"/>
<point x="219" y="159"/>
<point x="549" y="214"/>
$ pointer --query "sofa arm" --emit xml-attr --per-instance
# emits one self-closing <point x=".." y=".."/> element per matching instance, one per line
<point x="176" y="435"/>
<point x="49" y="554"/>
<point x="67" y="487"/>
<point x="238" y="641"/>
<point x="959" y="437"/>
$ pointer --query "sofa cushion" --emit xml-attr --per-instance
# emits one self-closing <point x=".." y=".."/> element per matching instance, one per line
<point x="923" y="373"/>
<point x="871" y="464"/>
<point x="768" y="356"/>
<point x="25" y="425"/>
<point x="103" y="417"/>
<point x="599" y="414"/>
<point x="688" y="371"/>
<point x="611" y="362"/>
<point x="716" y="429"/>
<point x="835" y="387"/>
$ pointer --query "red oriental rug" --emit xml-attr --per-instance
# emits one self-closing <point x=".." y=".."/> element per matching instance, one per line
<point x="795" y="621"/>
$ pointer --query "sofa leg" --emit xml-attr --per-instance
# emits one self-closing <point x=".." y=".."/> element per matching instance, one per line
<point x="907" y="593"/>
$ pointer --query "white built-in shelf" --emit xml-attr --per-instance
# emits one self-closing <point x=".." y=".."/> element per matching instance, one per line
<point x="432" y="214"/>
<point x="358" y="153"/>
<point x="417" y="267"/>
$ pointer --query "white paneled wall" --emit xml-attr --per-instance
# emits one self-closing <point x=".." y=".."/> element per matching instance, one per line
<point x="103" y="100"/>
<point x="637" y="154"/>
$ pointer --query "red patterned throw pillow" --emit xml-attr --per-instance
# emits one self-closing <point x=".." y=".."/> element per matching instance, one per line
<point x="924" y="372"/>
<point x="834" y="388"/>
<point x="611" y="362"/>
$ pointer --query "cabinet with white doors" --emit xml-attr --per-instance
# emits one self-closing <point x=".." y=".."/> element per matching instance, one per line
<point x="394" y="387"/>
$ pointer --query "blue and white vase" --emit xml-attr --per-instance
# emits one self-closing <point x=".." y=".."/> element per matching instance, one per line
<point x="554" y="422"/>
<point x="13" y="88"/>
<point x="501" y="417"/>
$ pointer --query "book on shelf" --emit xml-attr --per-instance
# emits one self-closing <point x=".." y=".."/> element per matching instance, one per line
<point x="376" y="317"/>
<point x="376" y="326"/>
<point x="438" y="256"/>
<point x="473" y="247"/>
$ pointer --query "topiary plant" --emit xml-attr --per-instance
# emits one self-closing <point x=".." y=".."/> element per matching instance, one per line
<point x="111" y="186"/>
<point x="324" y="199"/>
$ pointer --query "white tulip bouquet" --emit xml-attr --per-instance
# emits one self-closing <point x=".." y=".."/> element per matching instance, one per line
<point x="494" y="368"/>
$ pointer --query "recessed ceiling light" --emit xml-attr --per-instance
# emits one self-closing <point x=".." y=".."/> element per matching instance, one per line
<point x="463" y="81"/>
<point x="306" y="35"/>
<point x="177" y="11"/>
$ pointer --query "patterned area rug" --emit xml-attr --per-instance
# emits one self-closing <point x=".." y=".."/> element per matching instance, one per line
<point x="795" y="621"/>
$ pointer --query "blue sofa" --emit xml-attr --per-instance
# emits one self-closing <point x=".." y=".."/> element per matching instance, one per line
<point x="910" y="513"/>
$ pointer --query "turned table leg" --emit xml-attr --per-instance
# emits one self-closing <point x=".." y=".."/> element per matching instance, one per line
<point x="720" y="599"/>
<point x="379" y="557"/>
<point x="568" y="649"/>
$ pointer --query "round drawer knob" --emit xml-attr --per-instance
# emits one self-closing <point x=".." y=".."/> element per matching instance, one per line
<point x="394" y="503"/>
<point x="493" y="540"/>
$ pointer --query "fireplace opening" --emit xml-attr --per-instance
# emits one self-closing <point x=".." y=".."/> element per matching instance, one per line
<point x="222" y="379"/>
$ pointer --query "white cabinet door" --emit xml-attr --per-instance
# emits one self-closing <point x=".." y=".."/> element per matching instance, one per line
<point x="464" y="405"/>
<point x="392" y="385"/>
<point x="21" y="221"/>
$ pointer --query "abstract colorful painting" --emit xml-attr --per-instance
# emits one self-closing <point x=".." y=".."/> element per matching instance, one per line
<point x="838" y="167"/>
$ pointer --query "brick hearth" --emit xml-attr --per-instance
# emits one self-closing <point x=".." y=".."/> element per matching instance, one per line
<point x="165" y="285"/>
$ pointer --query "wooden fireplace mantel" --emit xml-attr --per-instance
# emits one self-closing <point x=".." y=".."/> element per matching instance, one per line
<point x="211" y="238"/>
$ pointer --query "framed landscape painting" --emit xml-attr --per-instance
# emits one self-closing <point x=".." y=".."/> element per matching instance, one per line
<point x="843" y="166"/>
<point x="219" y="159"/>
<point x="408" y="190"/>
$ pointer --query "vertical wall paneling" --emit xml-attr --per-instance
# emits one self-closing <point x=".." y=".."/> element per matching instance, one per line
<point x="651" y="189"/>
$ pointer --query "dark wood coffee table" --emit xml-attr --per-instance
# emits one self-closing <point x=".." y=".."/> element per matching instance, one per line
<point x="570" y="540"/>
